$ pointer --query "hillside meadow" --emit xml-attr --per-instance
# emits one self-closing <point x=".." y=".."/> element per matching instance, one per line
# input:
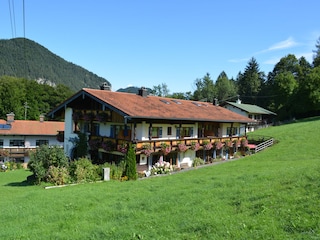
<point x="274" y="194"/>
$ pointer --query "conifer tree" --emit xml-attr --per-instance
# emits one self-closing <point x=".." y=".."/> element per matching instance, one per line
<point x="131" y="167"/>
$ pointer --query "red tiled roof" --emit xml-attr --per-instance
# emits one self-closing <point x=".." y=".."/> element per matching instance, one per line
<point x="153" y="107"/>
<point x="27" y="127"/>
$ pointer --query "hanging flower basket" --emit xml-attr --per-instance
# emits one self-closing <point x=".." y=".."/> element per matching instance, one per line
<point x="123" y="148"/>
<point x="218" y="145"/>
<point x="228" y="144"/>
<point x="182" y="147"/>
<point x="4" y="153"/>
<point x="146" y="149"/>
<point x="207" y="145"/>
<point x="165" y="148"/>
<point x="195" y="146"/>
<point x="108" y="146"/>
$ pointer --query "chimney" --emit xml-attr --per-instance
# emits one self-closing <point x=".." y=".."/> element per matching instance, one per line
<point x="238" y="101"/>
<point x="41" y="118"/>
<point x="215" y="102"/>
<point x="143" y="92"/>
<point x="105" y="86"/>
<point x="10" y="118"/>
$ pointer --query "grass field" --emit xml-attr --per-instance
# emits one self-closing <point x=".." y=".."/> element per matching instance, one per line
<point x="274" y="194"/>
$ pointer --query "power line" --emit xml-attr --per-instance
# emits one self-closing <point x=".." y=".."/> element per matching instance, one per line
<point x="24" y="20"/>
<point x="10" y="13"/>
<point x="14" y="19"/>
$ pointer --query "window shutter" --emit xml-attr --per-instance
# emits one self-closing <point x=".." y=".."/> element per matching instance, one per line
<point x="112" y="131"/>
<point x="177" y="132"/>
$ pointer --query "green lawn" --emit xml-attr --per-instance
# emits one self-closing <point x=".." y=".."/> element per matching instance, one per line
<point x="274" y="194"/>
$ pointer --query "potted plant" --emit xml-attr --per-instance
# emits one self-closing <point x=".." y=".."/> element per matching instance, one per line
<point x="195" y="146"/>
<point x="207" y="145"/>
<point x="182" y="147"/>
<point x="165" y="148"/>
<point x="217" y="146"/>
<point x="123" y="148"/>
<point x="108" y="146"/>
<point x="146" y="149"/>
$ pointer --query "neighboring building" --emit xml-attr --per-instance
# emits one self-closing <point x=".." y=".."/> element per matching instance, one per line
<point x="19" y="137"/>
<point x="261" y="117"/>
<point x="113" y="119"/>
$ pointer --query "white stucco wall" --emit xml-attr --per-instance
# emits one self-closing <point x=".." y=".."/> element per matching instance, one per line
<point x="68" y="132"/>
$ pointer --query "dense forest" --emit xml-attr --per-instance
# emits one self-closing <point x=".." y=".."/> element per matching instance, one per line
<point x="23" y="58"/>
<point x="28" y="99"/>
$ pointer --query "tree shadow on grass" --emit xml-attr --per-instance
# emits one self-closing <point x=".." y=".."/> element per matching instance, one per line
<point x="28" y="182"/>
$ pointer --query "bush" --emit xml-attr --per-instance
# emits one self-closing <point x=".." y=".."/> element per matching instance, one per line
<point x="82" y="170"/>
<point x="116" y="171"/>
<point x="43" y="158"/>
<point x="197" y="162"/>
<point x="58" y="175"/>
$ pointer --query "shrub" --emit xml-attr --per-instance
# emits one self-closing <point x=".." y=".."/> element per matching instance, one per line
<point x="197" y="162"/>
<point x="82" y="170"/>
<point x="116" y="171"/>
<point x="43" y="158"/>
<point x="161" y="167"/>
<point x="58" y="175"/>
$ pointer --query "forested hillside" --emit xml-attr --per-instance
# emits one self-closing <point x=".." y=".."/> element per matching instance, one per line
<point x="28" y="99"/>
<point x="24" y="58"/>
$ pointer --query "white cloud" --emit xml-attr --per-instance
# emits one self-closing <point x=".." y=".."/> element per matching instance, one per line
<point x="289" y="43"/>
<point x="283" y="45"/>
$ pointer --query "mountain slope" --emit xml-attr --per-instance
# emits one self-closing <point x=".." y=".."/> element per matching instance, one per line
<point x="25" y="58"/>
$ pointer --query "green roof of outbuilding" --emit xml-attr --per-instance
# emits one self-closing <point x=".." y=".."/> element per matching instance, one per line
<point x="251" y="108"/>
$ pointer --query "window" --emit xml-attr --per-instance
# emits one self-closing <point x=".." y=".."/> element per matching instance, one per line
<point x="156" y="132"/>
<point x="16" y="143"/>
<point x="119" y="131"/>
<point x="1" y="143"/>
<point x="42" y="142"/>
<point x="232" y="131"/>
<point x="185" y="132"/>
<point x="169" y="131"/>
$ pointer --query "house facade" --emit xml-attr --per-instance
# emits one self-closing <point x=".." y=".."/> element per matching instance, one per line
<point x="260" y="117"/>
<point x="158" y="126"/>
<point x="19" y="137"/>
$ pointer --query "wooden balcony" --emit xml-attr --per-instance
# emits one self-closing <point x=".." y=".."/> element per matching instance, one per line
<point x="157" y="144"/>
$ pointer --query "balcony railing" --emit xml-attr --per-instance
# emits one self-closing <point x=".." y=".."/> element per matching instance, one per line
<point x="111" y="144"/>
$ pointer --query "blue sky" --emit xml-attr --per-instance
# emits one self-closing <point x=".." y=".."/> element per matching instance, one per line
<point x="150" y="42"/>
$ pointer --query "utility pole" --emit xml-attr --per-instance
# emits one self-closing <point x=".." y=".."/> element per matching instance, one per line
<point x="25" y="110"/>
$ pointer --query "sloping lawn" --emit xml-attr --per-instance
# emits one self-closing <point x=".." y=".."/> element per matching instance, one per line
<point x="274" y="194"/>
